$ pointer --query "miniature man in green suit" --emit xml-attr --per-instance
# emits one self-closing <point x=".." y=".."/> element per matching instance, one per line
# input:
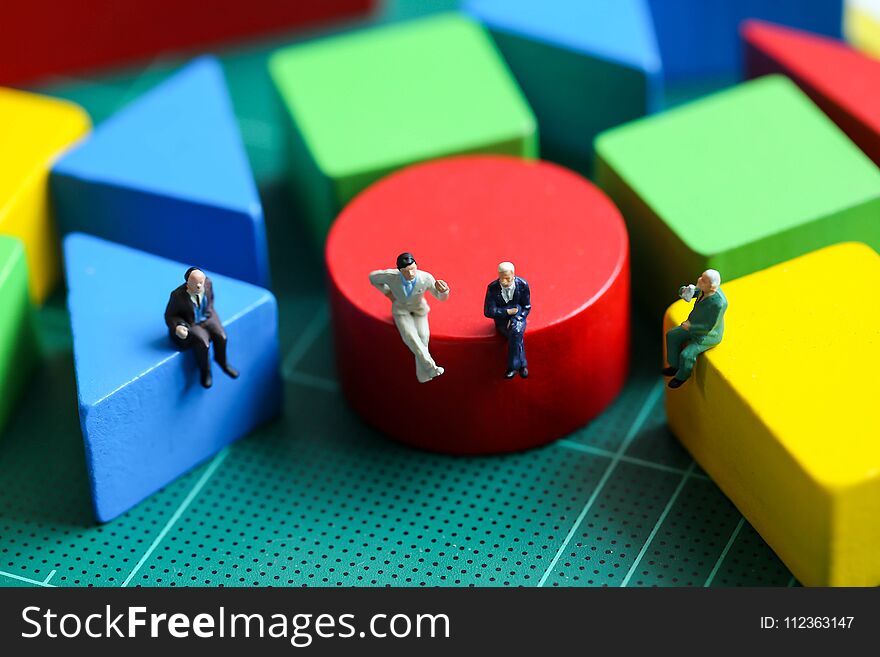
<point x="701" y="331"/>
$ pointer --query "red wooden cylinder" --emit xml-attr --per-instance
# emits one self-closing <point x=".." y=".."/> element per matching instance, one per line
<point x="460" y="217"/>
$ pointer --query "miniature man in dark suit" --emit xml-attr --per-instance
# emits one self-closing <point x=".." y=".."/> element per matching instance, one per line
<point x="193" y="323"/>
<point x="509" y="302"/>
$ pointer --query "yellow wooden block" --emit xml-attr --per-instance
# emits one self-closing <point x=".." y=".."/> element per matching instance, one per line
<point x="34" y="131"/>
<point x="784" y="414"/>
<point x="861" y="25"/>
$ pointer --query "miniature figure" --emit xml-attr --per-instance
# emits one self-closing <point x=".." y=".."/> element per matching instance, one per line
<point x="193" y="323"/>
<point x="508" y="303"/>
<point x="406" y="287"/>
<point x="702" y="330"/>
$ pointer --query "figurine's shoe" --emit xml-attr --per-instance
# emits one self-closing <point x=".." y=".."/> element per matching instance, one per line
<point x="437" y="372"/>
<point x="207" y="380"/>
<point x="675" y="383"/>
<point x="509" y="374"/>
<point x="524" y="372"/>
<point x="231" y="372"/>
<point x="668" y="371"/>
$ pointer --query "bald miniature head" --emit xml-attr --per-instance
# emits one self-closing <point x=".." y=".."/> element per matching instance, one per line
<point x="709" y="281"/>
<point x="506" y="273"/>
<point x="195" y="280"/>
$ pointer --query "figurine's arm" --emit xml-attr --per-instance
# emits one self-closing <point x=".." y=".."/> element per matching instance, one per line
<point x="490" y="309"/>
<point x="438" y="289"/>
<point x="688" y="292"/>
<point x="209" y="290"/>
<point x="213" y="312"/>
<point x="701" y="328"/>
<point x="379" y="280"/>
<point x="526" y="298"/>
<point x="172" y="319"/>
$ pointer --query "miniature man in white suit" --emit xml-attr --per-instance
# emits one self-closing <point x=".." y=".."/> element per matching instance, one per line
<point x="406" y="287"/>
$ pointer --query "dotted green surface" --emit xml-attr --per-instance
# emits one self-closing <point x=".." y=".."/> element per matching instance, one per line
<point x="318" y="499"/>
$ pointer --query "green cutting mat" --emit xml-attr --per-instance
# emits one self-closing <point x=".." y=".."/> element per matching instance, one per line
<point x="318" y="499"/>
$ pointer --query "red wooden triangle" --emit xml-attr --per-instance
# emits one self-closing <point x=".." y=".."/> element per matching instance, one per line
<point x="842" y="81"/>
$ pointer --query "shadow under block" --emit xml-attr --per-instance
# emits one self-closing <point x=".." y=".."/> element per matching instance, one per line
<point x="843" y="82"/>
<point x="168" y="174"/>
<point x="19" y="348"/>
<point x="565" y="238"/>
<point x="34" y="130"/>
<point x="737" y="181"/>
<point x="362" y="105"/>
<point x="861" y="24"/>
<point x="783" y="414"/>
<point x="144" y="415"/>
<point x="700" y="39"/>
<point x="583" y="66"/>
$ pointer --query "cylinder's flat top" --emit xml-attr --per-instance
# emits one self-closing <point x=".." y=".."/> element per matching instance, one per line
<point x="460" y="217"/>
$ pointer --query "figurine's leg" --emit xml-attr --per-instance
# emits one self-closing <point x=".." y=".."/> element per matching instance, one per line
<point x="409" y="332"/>
<point x="199" y="340"/>
<point x="675" y="339"/>
<point x="423" y="329"/>
<point x="504" y="330"/>
<point x="218" y="337"/>
<point x="688" y="360"/>
<point x="516" y="353"/>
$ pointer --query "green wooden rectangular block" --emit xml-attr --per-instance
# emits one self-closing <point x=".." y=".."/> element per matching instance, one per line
<point x="737" y="182"/>
<point x="364" y="104"/>
<point x="18" y="336"/>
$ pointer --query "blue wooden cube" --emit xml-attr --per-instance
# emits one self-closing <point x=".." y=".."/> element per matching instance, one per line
<point x="169" y="175"/>
<point x="700" y="38"/>
<point x="584" y="66"/>
<point x="145" y="417"/>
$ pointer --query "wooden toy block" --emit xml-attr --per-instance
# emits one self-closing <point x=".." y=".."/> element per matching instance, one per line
<point x="400" y="9"/>
<point x="861" y="25"/>
<point x="737" y="181"/>
<point x="44" y="38"/>
<point x="566" y="239"/>
<point x="699" y="39"/>
<point x="364" y="104"/>
<point x="783" y="414"/>
<point x="843" y="82"/>
<point x="145" y="417"/>
<point x="169" y="175"/>
<point x="583" y="66"/>
<point x="19" y="348"/>
<point x="34" y="130"/>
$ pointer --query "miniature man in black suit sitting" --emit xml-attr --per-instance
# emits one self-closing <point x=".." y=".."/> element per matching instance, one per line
<point x="193" y="323"/>
<point x="508" y="303"/>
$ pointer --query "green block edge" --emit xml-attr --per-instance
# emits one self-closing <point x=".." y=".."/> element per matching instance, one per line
<point x="19" y="346"/>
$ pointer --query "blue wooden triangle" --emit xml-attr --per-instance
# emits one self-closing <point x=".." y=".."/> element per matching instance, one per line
<point x="145" y="417"/>
<point x="168" y="174"/>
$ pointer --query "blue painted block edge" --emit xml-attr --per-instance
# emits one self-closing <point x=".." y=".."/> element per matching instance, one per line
<point x="160" y="423"/>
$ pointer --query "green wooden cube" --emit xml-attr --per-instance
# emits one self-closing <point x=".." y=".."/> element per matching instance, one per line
<point x="364" y="104"/>
<point x="18" y="337"/>
<point x="737" y="182"/>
